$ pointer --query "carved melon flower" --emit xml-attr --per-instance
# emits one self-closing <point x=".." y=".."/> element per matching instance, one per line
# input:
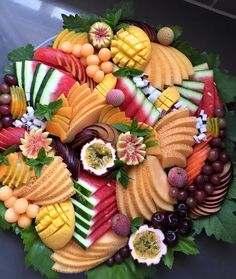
<point x="33" y="142"/>
<point x="147" y="245"/>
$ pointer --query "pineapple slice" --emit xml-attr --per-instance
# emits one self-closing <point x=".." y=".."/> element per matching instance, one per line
<point x="131" y="48"/>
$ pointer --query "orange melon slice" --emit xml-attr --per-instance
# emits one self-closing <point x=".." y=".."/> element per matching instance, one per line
<point x="173" y="158"/>
<point x="59" y="37"/>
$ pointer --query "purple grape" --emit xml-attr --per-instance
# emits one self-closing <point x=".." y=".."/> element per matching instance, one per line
<point x="183" y="194"/>
<point x="222" y="123"/>
<point x="174" y="192"/>
<point x="207" y="169"/>
<point x="219" y="112"/>
<point x="4" y="88"/>
<point x="10" y="79"/>
<point x="182" y="210"/>
<point x="185" y="227"/>
<point x="199" y="180"/>
<point x="218" y="166"/>
<point x="7" y="121"/>
<point x="224" y="157"/>
<point x="5" y="109"/>
<point x="110" y="261"/>
<point x="200" y="196"/>
<point x="216" y="142"/>
<point x="191" y="202"/>
<point x="209" y="188"/>
<point x="192" y="188"/>
<point x="222" y="133"/>
<point x="215" y="179"/>
<point x="118" y="258"/>
<point x="213" y="155"/>
<point x="124" y="252"/>
<point x="5" y="99"/>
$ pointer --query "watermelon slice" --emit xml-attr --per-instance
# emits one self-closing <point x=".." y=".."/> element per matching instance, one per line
<point x="128" y="88"/>
<point x="135" y="105"/>
<point x="10" y="136"/>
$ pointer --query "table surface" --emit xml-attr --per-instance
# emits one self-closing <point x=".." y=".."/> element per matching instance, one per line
<point x="35" y="21"/>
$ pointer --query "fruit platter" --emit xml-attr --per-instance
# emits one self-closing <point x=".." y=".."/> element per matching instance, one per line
<point x="117" y="148"/>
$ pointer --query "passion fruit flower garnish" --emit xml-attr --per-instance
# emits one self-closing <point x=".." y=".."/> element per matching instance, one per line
<point x="131" y="149"/>
<point x="147" y="245"/>
<point x="97" y="156"/>
<point x="33" y="142"/>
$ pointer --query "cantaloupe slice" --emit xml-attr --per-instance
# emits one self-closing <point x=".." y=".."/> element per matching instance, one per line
<point x="109" y="114"/>
<point x="184" y="149"/>
<point x="13" y="159"/>
<point x="177" y="139"/>
<point x="164" y="64"/>
<point x="95" y="102"/>
<point x="65" y="111"/>
<point x="186" y="61"/>
<point x="56" y="130"/>
<point x="75" y="90"/>
<point x="173" y="158"/>
<point x="116" y="118"/>
<point x="179" y="131"/>
<point x="85" y="120"/>
<point x="59" y="37"/>
<point x="182" y="66"/>
<point x="59" y="118"/>
<point x="160" y="185"/>
<point x="106" y="109"/>
<point x="189" y="121"/>
<point x="170" y="117"/>
<point x="12" y="181"/>
<point x="80" y="98"/>
<point x="176" y="76"/>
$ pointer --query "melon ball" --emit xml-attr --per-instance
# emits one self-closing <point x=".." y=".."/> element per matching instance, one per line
<point x="24" y="221"/>
<point x="92" y="60"/>
<point x="86" y="50"/>
<point x="20" y="206"/>
<point x="32" y="210"/>
<point x="107" y="67"/>
<point x="10" y="202"/>
<point x="121" y="224"/>
<point x="67" y="47"/>
<point x="98" y="77"/>
<point x="165" y="36"/>
<point x="115" y="97"/>
<point x="76" y="51"/>
<point x="91" y="70"/>
<point x="104" y="54"/>
<point x="11" y="216"/>
<point x="5" y="193"/>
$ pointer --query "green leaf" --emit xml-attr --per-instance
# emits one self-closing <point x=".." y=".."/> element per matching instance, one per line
<point x="32" y="162"/>
<point x="228" y="146"/>
<point x="124" y="72"/>
<point x="230" y="131"/>
<point x="122" y="177"/>
<point x="38" y="170"/>
<point x="3" y="223"/>
<point x="121" y="127"/>
<point x="120" y="26"/>
<point x="54" y="106"/>
<point x="119" y="163"/>
<point x="184" y="47"/>
<point x="9" y="150"/>
<point x="22" y="53"/>
<point x="38" y="255"/>
<point x="222" y="225"/>
<point x="232" y="190"/>
<point x="47" y="160"/>
<point x="226" y="85"/>
<point x="128" y="269"/>
<point x="134" y="125"/>
<point x="185" y="245"/>
<point x="136" y="223"/>
<point x="42" y="154"/>
<point x="151" y="143"/>
<point x="9" y="69"/>
<point x="79" y="23"/>
<point x="47" y="111"/>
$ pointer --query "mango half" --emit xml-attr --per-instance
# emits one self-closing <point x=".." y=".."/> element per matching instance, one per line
<point x="55" y="224"/>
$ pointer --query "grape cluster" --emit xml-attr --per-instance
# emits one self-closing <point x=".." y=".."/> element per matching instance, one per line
<point x="173" y="224"/>
<point x="5" y="101"/>
<point x="120" y="256"/>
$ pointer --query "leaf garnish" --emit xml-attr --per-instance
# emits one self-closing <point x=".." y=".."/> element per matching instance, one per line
<point x="3" y="155"/>
<point x="46" y="111"/>
<point x="21" y="53"/>
<point x="42" y="159"/>
<point x="125" y="72"/>
<point x="136" y="223"/>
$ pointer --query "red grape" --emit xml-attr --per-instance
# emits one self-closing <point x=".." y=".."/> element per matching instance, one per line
<point x="213" y="155"/>
<point x="207" y="169"/>
<point x="199" y="180"/>
<point x="183" y="194"/>
<point x="7" y="121"/>
<point x="125" y="252"/>
<point x="117" y="258"/>
<point x="5" y="99"/>
<point x="10" y="79"/>
<point x="222" y="133"/>
<point x="110" y="261"/>
<point x="172" y="221"/>
<point x="191" y="202"/>
<point x="215" y="179"/>
<point x="4" y="88"/>
<point x="209" y="188"/>
<point x="200" y="196"/>
<point x="216" y="142"/>
<point x="219" y="112"/>
<point x="224" y="157"/>
<point x="174" y="192"/>
<point x="222" y="123"/>
<point x="218" y="166"/>
<point x="159" y="220"/>
<point x="192" y="188"/>
<point x="5" y="109"/>
<point x="171" y="238"/>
